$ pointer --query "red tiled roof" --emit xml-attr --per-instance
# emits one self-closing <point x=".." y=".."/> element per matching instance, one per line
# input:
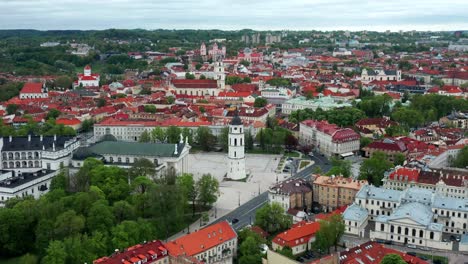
<point x="389" y="146"/>
<point x="188" y="83"/>
<point x="202" y="240"/>
<point x="373" y="252"/>
<point x="299" y="234"/>
<point x="68" y="121"/>
<point x="408" y="174"/>
<point x="34" y="88"/>
<point x="151" y="251"/>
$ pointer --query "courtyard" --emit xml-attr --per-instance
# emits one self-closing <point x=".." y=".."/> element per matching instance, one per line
<point x="259" y="167"/>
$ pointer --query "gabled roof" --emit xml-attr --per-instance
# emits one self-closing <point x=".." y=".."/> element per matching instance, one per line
<point x="148" y="252"/>
<point x="300" y="234"/>
<point x="189" y="83"/>
<point x="32" y="88"/>
<point x="202" y="240"/>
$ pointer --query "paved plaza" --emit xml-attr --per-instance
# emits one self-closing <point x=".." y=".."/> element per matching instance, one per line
<point x="261" y="170"/>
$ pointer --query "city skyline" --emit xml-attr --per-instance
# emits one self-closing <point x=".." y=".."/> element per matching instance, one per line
<point x="258" y="15"/>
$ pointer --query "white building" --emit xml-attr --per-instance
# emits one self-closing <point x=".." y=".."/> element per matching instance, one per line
<point x="33" y="91"/>
<point x="24" y="184"/>
<point x="301" y="103"/>
<point x="166" y="157"/>
<point x="34" y="153"/>
<point x="88" y="79"/>
<point x="329" y="139"/>
<point x="236" y="152"/>
<point x="414" y="216"/>
<point x="356" y="219"/>
<point x="29" y="164"/>
<point x="380" y="75"/>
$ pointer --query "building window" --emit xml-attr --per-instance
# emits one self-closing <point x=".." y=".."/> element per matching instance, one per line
<point x="421" y="233"/>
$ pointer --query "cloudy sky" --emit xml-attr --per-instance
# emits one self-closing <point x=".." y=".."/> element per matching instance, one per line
<point x="236" y="14"/>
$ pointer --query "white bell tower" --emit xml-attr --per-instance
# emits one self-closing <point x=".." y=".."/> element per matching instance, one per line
<point x="236" y="153"/>
<point x="220" y="75"/>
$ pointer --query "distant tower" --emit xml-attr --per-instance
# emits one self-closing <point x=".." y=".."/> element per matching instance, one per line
<point x="220" y="75"/>
<point x="236" y="153"/>
<point x="87" y="70"/>
<point x="203" y="49"/>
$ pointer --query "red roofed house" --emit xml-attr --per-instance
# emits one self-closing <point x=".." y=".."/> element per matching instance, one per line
<point x="214" y="244"/>
<point x="189" y="87"/>
<point x="330" y="139"/>
<point x="33" y="91"/>
<point x="373" y="252"/>
<point x="151" y="253"/>
<point x="299" y="238"/>
<point x="374" y="125"/>
<point x="388" y="146"/>
<point x="74" y="123"/>
<point x="87" y="79"/>
<point x="447" y="181"/>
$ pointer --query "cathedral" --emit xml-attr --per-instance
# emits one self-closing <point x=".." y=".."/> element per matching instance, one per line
<point x="215" y="53"/>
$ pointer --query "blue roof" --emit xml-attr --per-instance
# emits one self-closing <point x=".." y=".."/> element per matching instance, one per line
<point x="444" y="202"/>
<point x="370" y="191"/>
<point x="355" y="213"/>
<point x="417" y="212"/>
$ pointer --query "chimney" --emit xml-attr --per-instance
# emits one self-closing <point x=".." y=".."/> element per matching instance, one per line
<point x="53" y="146"/>
<point x="29" y="137"/>
<point x="11" y="138"/>
<point x="55" y="137"/>
<point x="41" y="138"/>
<point x="175" y="151"/>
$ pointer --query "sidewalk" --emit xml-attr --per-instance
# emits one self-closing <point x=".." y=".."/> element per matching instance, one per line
<point x="196" y="225"/>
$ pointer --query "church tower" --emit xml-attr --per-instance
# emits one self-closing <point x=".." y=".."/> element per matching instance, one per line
<point x="236" y="153"/>
<point x="203" y="49"/>
<point x="220" y="75"/>
<point x="87" y="70"/>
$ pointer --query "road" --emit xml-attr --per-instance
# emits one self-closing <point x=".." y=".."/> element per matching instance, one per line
<point x="246" y="212"/>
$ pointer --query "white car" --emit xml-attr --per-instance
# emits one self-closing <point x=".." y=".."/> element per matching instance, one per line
<point x="263" y="248"/>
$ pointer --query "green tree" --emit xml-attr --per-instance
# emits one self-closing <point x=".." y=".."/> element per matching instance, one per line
<point x="208" y="190"/>
<point x="56" y="253"/>
<point x="68" y="224"/>
<point x="189" y="76"/>
<point x="123" y="211"/>
<point x="373" y="168"/>
<point x="399" y="159"/>
<point x="190" y="189"/>
<point x="461" y="160"/>
<point x="245" y="63"/>
<point x="205" y="138"/>
<point x="145" y="137"/>
<point x="408" y="117"/>
<point x="249" y="140"/>
<point x="337" y="227"/>
<point x="142" y="167"/>
<point x="158" y="135"/>
<point x="11" y="109"/>
<point x="173" y="134"/>
<point x="364" y="141"/>
<point x="340" y="167"/>
<point x="392" y="259"/>
<point x="287" y="252"/>
<point x="260" y="102"/>
<point x="63" y="82"/>
<point x="394" y="131"/>
<point x="250" y="251"/>
<point x="150" y="109"/>
<point x="223" y="138"/>
<point x="53" y="113"/>
<point x="170" y="99"/>
<point x="29" y="259"/>
<point x="101" y="102"/>
<point x="272" y="218"/>
<point x="100" y="217"/>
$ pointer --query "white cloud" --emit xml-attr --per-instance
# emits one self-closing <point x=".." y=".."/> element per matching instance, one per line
<point x="229" y="14"/>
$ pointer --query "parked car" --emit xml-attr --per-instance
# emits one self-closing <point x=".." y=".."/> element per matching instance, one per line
<point x="424" y="248"/>
<point x="234" y="220"/>
<point x="411" y="253"/>
<point x="411" y="246"/>
<point x="453" y="238"/>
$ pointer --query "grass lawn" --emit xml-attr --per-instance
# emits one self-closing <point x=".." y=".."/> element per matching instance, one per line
<point x="437" y="259"/>
<point x="304" y="163"/>
<point x="292" y="154"/>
